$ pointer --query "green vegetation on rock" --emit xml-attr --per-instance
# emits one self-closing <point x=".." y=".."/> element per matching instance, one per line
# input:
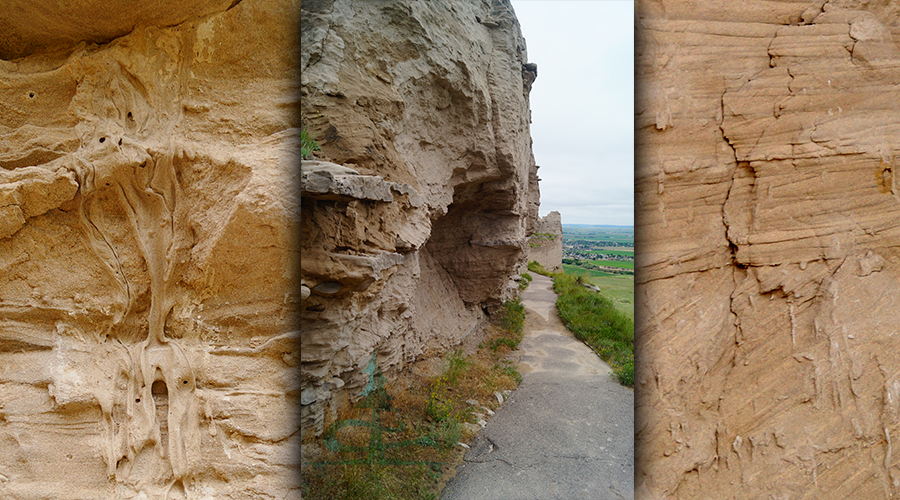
<point x="307" y="144"/>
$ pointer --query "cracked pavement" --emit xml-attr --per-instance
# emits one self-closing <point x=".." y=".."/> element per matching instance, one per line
<point x="566" y="432"/>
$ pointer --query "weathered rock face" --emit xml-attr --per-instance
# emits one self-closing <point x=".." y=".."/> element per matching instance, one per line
<point x="545" y="245"/>
<point x="419" y="217"/>
<point x="146" y="251"/>
<point x="769" y="238"/>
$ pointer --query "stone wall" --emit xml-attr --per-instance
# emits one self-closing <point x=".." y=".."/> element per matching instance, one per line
<point x="415" y="212"/>
<point x="146" y="250"/>
<point x="768" y="262"/>
<point x="545" y="245"/>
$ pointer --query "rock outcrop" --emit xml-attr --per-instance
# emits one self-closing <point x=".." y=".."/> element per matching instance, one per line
<point x="416" y="213"/>
<point x="545" y="245"/>
<point x="769" y="250"/>
<point x="147" y="331"/>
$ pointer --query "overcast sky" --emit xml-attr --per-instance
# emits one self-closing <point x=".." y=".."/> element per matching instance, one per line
<point x="582" y="106"/>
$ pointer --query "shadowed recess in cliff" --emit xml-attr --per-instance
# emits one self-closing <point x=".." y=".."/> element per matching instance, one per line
<point x="479" y="240"/>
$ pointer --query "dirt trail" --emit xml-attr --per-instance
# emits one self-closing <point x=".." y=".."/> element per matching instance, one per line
<point x="566" y="432"/>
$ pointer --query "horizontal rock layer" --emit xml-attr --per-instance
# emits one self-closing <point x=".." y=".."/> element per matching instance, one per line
<point x="769" y="228"/>
<point x="545" y="245"/>
<point x="416" y="211"/>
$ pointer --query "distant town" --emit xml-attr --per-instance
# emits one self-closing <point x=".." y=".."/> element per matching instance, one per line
<point x="608" y="249"/>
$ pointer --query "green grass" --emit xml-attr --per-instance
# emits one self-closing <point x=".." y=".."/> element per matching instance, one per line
<point x="619" y="289"/>
<point x="616" y="287"/>
<point x="307" y="144"/>
<point x="594" y="319"/>
<point x="621" y="264"/>
<point x="535" y="267"/>
<point x="585" y="273"/>
<point x="525" y="281"/>
<point x="624" y="253"/>
<point x="419" y="426"/>
<point x="512" y="322"/>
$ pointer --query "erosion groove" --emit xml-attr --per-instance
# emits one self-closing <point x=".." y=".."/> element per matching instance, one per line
<point x="147" y="216"/>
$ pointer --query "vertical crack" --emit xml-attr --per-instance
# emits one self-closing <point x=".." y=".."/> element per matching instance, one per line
<point x="732" y="244"/>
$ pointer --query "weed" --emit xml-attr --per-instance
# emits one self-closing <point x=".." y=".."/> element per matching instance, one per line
<point x="438" y="407"/>
<point x="456" y="364"/>
<point x="510" y="371"/>
<point x="307" y="144"/>
<point x="624" y="370"/>
<point x="512" y="318"/>
<point x="512" y="321"/>
<point x="525" y="281"/>
<point x="511" y="343"/>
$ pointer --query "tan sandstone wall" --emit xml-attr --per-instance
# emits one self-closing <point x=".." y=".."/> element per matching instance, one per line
<point x="545" y="245"/>
<point x="769" y="237"/>
<point x="146" y="303"/>
<point x="416" y="211"/>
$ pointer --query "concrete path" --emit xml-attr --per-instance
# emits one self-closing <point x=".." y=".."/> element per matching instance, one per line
<point x="566" y="433"/>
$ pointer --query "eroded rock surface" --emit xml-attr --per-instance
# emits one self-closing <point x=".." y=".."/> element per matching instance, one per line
<point x="147" y="339"/>
<point x="415" y="214"/>
<point x="545" y="245"/>
<point x="769" y="229"/>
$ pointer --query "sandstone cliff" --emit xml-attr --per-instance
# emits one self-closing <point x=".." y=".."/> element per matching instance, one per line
<point x="416" y="212"/>
<point x="545" y="245"/>
<point x="146" y="298"/>
<point x="769" y="249"/>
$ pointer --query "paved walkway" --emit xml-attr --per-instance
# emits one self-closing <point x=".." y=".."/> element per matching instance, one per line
<point x="566" y="433"/>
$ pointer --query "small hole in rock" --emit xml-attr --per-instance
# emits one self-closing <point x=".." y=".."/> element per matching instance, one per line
<point x="120" y="142"/>
<point x="31" y="94"/>
<point x="107" y="184"/>
<point x="103" y="139"/>
<point x="138" y="400"/>
<point x="184" y="381"/>
<point x="130" y="115"/>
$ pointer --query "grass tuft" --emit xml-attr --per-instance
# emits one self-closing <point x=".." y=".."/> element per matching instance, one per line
<point x="512" y="322"/>
<point x="307" y="144"/>
<point x="536" y="267"/>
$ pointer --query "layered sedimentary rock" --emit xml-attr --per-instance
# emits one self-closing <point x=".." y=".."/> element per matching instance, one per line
<point x="147" y="332"/>
<point x="545" y="245"/>
<point x="769" y="250"/>
<point x="416" y="211"/>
